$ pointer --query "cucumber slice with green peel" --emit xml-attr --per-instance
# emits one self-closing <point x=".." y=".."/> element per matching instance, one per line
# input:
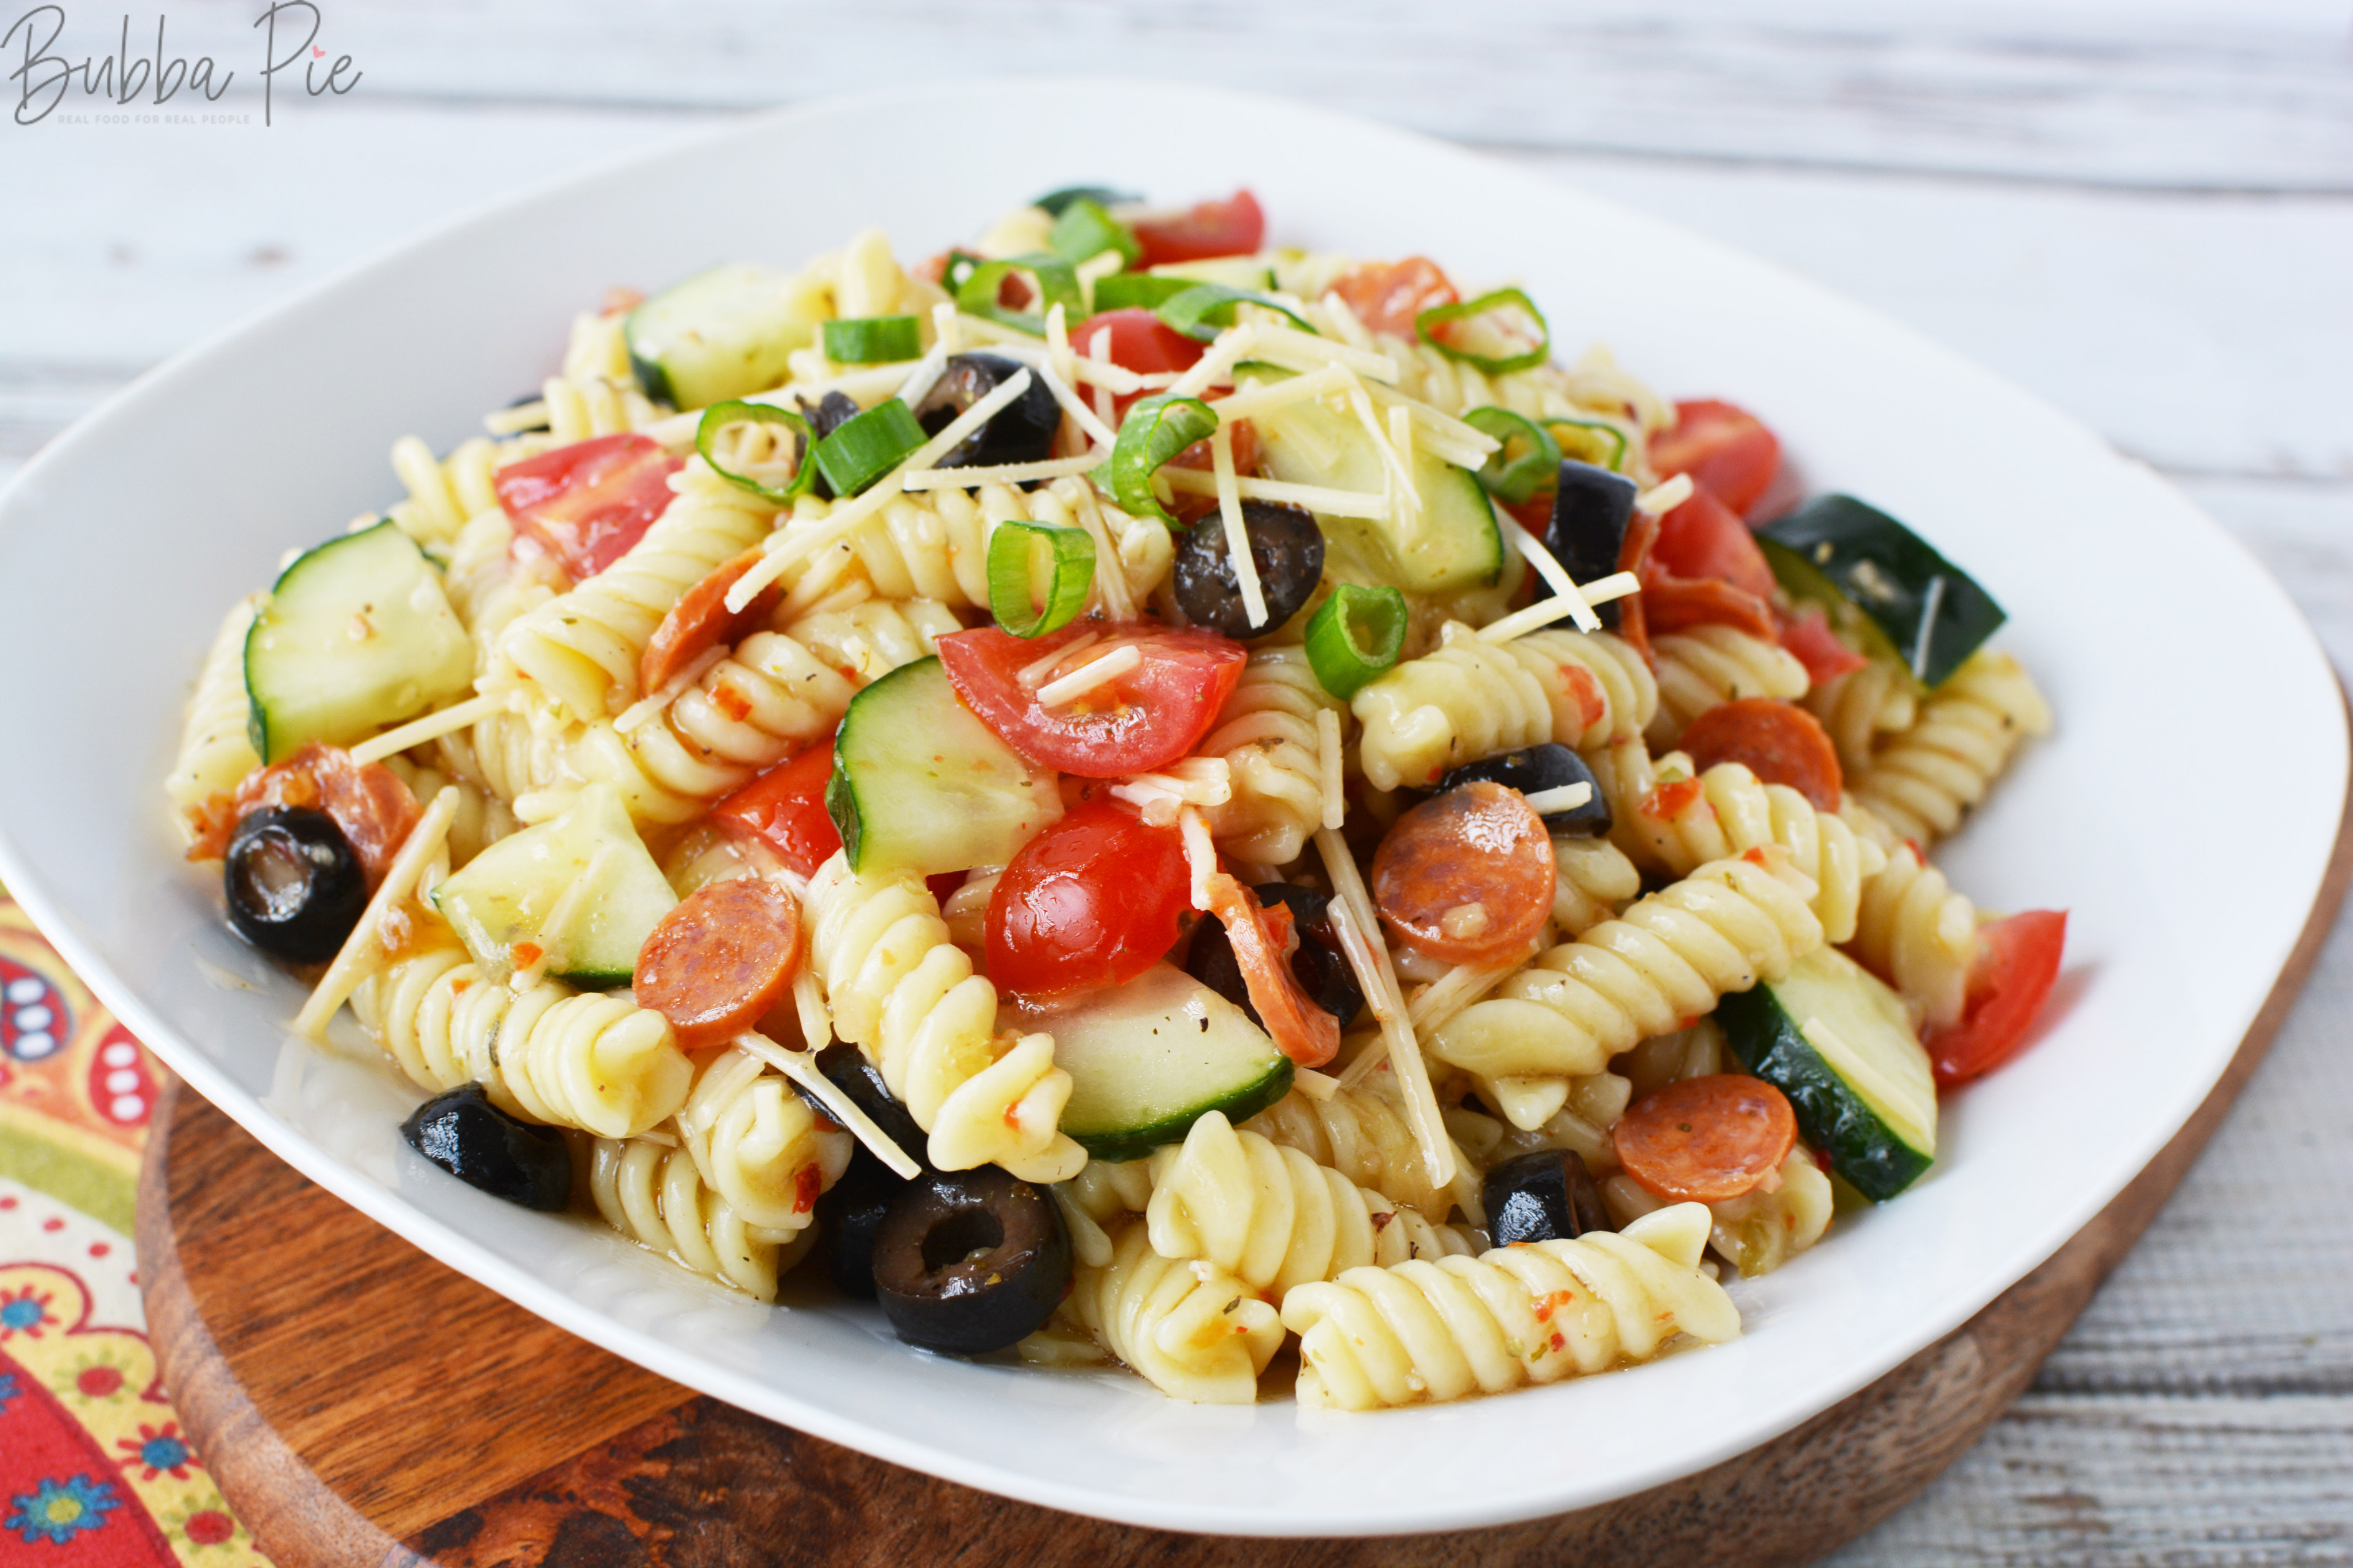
<point x="722" y="333"/>
<point x="581" y="888"/>
<point x="1926" y="612"/>
<point x="1149" y="1059"/>
<point x="921" y="784"/>
<point x="357" y="634"/>
<point x="1834" y="1038"/>
<point x="1455" y="544"/>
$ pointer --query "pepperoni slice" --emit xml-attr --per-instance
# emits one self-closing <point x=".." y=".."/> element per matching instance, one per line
<point x="717" y="963"/>
<point x="1264" y="940"/>
<point x="1706" y="1139"/>
<point x="1779" y="742"/>
<point x="1468" y="877"/>
<point x="368" y="802"/>
<point x="702" y="621"/>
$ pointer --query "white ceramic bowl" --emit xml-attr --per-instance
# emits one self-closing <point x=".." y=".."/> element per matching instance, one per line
<point x="122" y="544"/>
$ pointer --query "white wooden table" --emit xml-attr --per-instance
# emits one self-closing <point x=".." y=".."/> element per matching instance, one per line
<point x="2140" y="210"/>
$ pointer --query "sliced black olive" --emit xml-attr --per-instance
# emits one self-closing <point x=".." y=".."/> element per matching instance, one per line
<point x="1534" y="769"/>
<point x="1286" y="547"/>
<point x="1543" y="1196"/>
<point x="1587" y="531"/>
<point x="1311" y="912"/>
<point x="1319" y="970"/>
<point x="482" y="1146"/>
<point x="851" y="1214"/>
<point x="295" y="887"/>
<point x="1021" y="432"/>
<point x="845" y="1068"/>
<point x="970" y="1261"/>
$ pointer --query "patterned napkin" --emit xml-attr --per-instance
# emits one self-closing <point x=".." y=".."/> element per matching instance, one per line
<point x="95" y="1468"/>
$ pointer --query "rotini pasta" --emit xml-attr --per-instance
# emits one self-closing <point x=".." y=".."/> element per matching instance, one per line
<point x="1913" y="929"/>
<point x="1535" y="1312"/>
<point x="1923" y="781"/>
<point x="756" y="1144"/>
<point x="215" y="750"/>
<point x="1472" y="699"/>
<point x="651" y="1192"/>
<point x="1760" y="1230"/>
<point x="1196" y="1333"/>
<point x="1363" y="1134"/>
<point x="899" y="989"/>
<point x="1710" y="663"/>
<point x="1596" y="881"/>
<point x="1267" y="734"/>
<point x="1865" y="707"/>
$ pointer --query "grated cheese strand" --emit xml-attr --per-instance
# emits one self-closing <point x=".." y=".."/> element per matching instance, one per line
<point x="1370" y="957"/>
<point x="1329" y="757"/>
<point x="638" y="714"/>
<point x="431" y="727"/>
<point x="1315" y="498"/>
<point x="1212" y="367"/>
<point x="803" y="1070"/>
<point x="1003" y="473"/>
<point x="1032" y="674"/>
<point x="1200" y="854"/>
<point x="1237" y="542"/>
<point x="1094" y="673"/>
<point x="1659" y="499"/>
<point x="1459" y="987"/>
<point x="1263" y="397"/>
<point x="1549" y="568"/>
<point x="343" y="975"/>
<point x="1295" y="350"/>
<point x="1561" y="797"/>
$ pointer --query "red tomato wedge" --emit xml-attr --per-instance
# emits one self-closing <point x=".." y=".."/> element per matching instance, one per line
<point x="586" y="503"/>
<point x="1386" y="296"/>
<point x="370" y="805"/>
<point x="1235" y="226"/>
<point x="1140" y="341"/>
<point x="1706" y="1139"/>
<point x="1263" y="939"/>
<point x="1092" y="900"/>
<point x="1777" y="742"/>
<point x="1726" y="450"/>
<point x="1706" y="568"/>
<point x="2017" y="964"/>
<point x="1145" y="718"/>
<point x="1189" y="509"/>
<point x="785" y="807"/>
<point x="702" y="621"/>
<point x="1467" y="877"/>
<point x="1808" y="636"/>
<point x="715" y="963"/>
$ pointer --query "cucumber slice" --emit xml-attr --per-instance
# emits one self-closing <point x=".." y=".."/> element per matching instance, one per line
<point x="722" y="333"/>
<point x="357" y="634"/>
<point x="1931" y="614"/>
<point x="1839" y="1042"/>
<point x="1149" y="1059"/>
<point x="581" y="887"/>
<point x="921" y="784"/>
<point x="1455" y="544"/>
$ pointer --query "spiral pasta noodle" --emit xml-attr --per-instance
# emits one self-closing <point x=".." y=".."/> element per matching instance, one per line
<point x="1587" y="1109"/>
<point x="215" y="748"/>
<point x="565" y="1057"/>
<point x="1862" y="707"/>
<point x="1708" y="665"/>
<point x="482" y="817"/>
<point x="1915" y="930"/>
<point x="1671" y="956"/>
<point x="1361" y="1133"/>
<point x="1194" y="1331"/>
<point x="444" y="492"/>
<point x="1267" y="734"/>
<point x="1757" y="1231"/>
<point x="902" y="990"/>
<point x="1596" y="387"/>
<point x="775" y="693"/>
<point x="583" y="648"/>
<point x="1595" y="881"/>
<point x="651" y="1192"/>
<point x="514" y="754"/>
<point x="1730" y="812"/>
<point x="756" y="1144"/>
<point x="1274" y="1219"/>
<point x="1926" y="779"/>
<point x="1472" y="699"/>
<point x="1536" y="1312"/>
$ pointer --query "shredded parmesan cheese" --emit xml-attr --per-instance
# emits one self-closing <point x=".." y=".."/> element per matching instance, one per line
<point x="1344" y="321"/>
<point x="1659" y="499"/>
<point x="1549" y="568"/>
<point x="351" y="961"/>
<point x="1200" y="855"/>
<point x="1404" y="499"/>
<point x="1353" y="916"/>
<point x="1263" y="397"/>
<point x="1544" y="611"/>
<point x="1295" y="350"/>
<point x="1238" y="541"/>
<point x="809" y="1005"/>
<point x="1214" y="367"/>
<point x="803" y="1070"/>
<point x="1003" y="473"/>
<point x="1562" y="798"/>
<point x="1459" y="987"/>
<point x="432" y="727"/>
<point x="1033" y="674"/>
<point x="928" y="370"/>
<point x="1313" y="1084"/>
<point x="638" y="714"/>
<point x="1099" y="347"/>
<point x="1094" y="673"/>
<point x="1315" y="498"/>
<point x="1328" y="758"/>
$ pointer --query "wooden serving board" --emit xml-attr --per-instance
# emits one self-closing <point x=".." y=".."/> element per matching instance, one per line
<point x="361" y="1404"/>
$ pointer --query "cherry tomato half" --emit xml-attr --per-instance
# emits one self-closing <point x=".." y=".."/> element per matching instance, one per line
<point x="1235" y="226"/>
<point x="2017" y="964"/>
<point x="1726" y="449"/>
<point x="588" y="503"/>
<point x="1808" y="636"/>
<point x="1092" y="900"/>
<point x="1140" y="341"/>
<point x="1143" y="719"/>
<point x="1386" y="296"/>
<point x="785" y="807"/>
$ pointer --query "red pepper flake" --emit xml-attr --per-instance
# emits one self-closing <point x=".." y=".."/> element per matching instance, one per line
<point x="1753" y="855"/>
<point x="729" y="701"/>
<point x="526" y="953"/>
<point x="1592" y="702"/>
<point x="1669" y="799"/>
<point x="1557" y="1342"/>
<point x="806" y="1184"/>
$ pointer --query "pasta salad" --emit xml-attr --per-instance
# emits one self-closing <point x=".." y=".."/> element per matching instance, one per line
<point x="1136" y="795"/>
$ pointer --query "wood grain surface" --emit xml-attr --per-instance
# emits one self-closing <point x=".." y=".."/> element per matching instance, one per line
<point x="362" y="1405"/>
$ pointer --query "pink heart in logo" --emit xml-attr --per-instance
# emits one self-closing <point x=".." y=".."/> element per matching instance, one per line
<point x="317" y="53"/>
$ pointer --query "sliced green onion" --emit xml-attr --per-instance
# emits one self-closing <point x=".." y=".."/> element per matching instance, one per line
<point x="719" y="416"/>
<point x="873" y="340"/>
<point x="1012" y="576"/>
<point x="1357" y="634"/>
<point x="1059" y="202"/>
<point x="1084" y="231"/>
<point x="867" y="446"/>
<point x="1502" y="300"/>
<point x="960" y="266"/>
<point x="1054" y="280"/>
<point x="1511" y="479"/>
<point x="1593" y="435"/>
<point x="1155" y="429"/>
<point x="1137" y="290"/>
<point x="1203" y="308"/>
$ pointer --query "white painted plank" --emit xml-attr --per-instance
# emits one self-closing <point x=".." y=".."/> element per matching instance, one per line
<point x="2204" y="1483"/>
<point x="2234" y="96"/>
